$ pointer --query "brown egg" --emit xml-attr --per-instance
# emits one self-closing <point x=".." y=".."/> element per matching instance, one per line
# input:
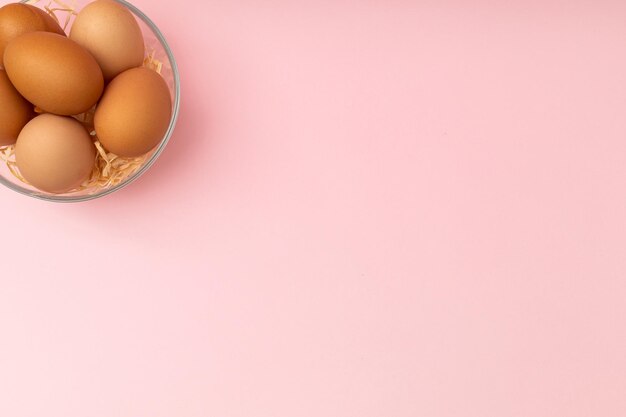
<point x="15" y="111"/>
<point x="54" y="153"/>
<point x="54" y="73"/>
<point x="51" y="25"/>
<point x="134" y="113"/>
<point x="110" y="32"/>
<point x="17" y="19"/>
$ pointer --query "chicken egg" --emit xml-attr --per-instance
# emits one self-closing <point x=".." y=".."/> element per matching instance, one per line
<point x="110" y="32"/>
<point x="55" y="154"/>
<point x="17" y="19"/>
<point x="54" y="73"/>
<point x="134" y="113"/>
<point x="15" y="111"/>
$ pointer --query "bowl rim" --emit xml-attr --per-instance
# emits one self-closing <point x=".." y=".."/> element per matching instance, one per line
<point x="157" y="152"/>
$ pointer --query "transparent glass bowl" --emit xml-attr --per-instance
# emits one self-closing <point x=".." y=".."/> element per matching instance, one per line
<point x="155" y="43"/>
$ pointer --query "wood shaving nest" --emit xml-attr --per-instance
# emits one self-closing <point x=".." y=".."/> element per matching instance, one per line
<point x="109" y="169"/>
<point x="7" y="154"/>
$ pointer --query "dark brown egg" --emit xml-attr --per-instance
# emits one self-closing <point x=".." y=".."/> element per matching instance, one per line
<point x="17" y="19"/>
<point x="15" y="111"/>
<point x="54" y="73"/>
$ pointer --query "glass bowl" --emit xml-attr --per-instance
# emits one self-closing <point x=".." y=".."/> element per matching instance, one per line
<point x="156" y="45"/>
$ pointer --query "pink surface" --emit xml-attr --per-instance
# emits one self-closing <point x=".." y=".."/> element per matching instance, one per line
<point x="375" y="208"/>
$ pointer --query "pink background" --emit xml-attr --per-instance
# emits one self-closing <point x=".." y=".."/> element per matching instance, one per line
<point x="377" y="208"/>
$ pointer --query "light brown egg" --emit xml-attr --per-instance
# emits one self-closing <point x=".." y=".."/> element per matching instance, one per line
<point x="17" y="19"/>
<point x="54" y="153"/>
<point x="54" y="73"/>
<point x="15" y="111"/>
<point x="134" y="113"/>
<point x="110" y="32"/>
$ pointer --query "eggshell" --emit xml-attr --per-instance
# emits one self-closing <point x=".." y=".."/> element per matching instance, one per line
<point x="54" y="153"/>
<point x="54" y="73"/>
<point x="15" y="111"/>
<point x="17" y="19"/>
<point x="110" y="32"/>
<point x="134" y="113"/>
<point x="51" y="25"/>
